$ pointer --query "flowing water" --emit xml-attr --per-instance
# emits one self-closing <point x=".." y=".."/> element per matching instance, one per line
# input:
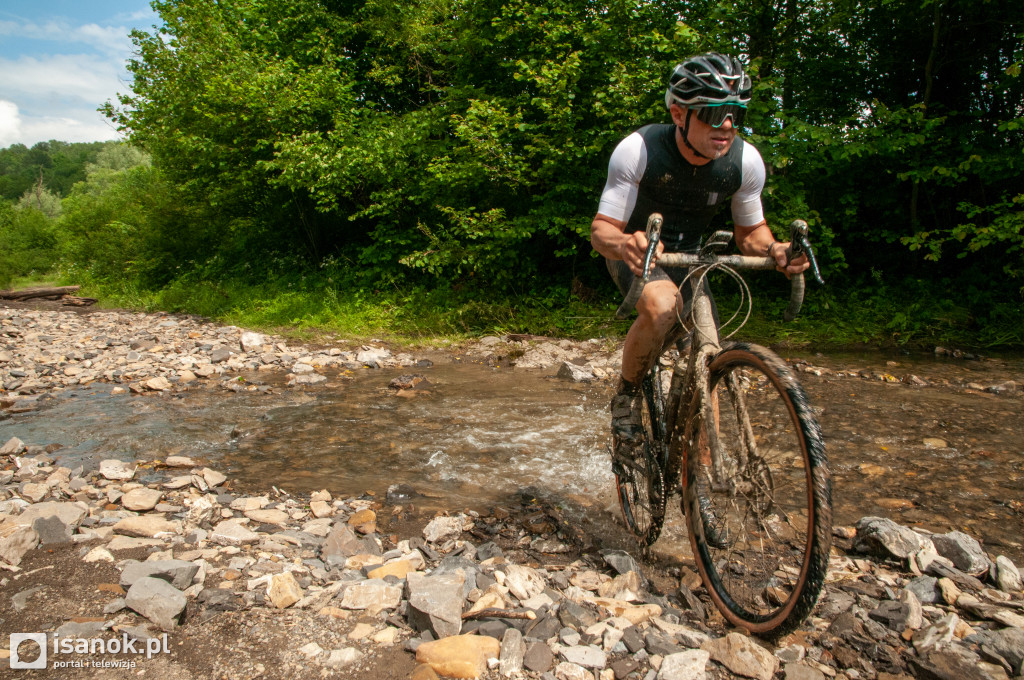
<point x="942" y="456"/>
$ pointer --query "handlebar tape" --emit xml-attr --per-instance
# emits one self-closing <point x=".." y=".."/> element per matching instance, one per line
<point x="796" y="296"/>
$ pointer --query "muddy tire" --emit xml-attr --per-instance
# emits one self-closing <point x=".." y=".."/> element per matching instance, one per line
<point x="760" y="521"/>
<point x="639" y="479"/>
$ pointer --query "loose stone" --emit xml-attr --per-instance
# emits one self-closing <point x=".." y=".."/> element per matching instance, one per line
<point x="460" y="656"/>
<point x="157" y="600"/>
<point x="688" y="665"/>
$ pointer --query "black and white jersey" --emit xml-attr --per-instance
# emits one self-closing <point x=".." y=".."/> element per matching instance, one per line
<point x="647" y="174"/>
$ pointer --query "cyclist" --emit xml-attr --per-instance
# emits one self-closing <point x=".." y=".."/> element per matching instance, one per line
<point x="685" y="171"/>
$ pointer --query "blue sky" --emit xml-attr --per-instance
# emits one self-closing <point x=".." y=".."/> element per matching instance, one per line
<point x="59" y="61"/>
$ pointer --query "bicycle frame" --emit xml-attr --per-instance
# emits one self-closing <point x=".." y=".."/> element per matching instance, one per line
<point x="689" y="377"/>
<point x="689" y="374"/>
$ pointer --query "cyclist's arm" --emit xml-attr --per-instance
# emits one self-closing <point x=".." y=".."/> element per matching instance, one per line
<point x="607" y="231"/>
<point x="757" y="239"/>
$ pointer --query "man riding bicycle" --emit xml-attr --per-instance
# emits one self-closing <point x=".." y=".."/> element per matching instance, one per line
<point x="684" y="171"/>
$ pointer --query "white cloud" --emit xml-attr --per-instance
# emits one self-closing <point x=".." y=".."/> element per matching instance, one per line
<point x="112" y="40"/>
<point x="63" y="71"/>
<point x="86" y="126"/>
<point x="85" y="77"/>
<point x="10" y="123"/>
<point x="77" y="125"/>
<point x="56" y="97"/>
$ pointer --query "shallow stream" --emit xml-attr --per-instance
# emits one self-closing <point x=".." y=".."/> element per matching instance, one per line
<point x="939" y="456"/>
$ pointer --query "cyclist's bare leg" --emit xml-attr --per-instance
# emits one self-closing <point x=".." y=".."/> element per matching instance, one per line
<point x="657" y="312"/>
<point x="656" y="316"/>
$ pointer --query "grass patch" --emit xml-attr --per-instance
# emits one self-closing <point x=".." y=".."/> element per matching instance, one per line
<point x="34" y="280"/>
<point x="312" y="306"/>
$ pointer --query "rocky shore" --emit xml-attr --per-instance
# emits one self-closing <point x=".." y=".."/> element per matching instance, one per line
<point x="277" y="586"/>
<point x="195" y="578"/>
<point x="42" y="351"/>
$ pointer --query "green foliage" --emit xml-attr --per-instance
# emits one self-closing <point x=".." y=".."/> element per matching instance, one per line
<point x="29" y="243"/>
<point x="127" y="223"/>
<point x="438" y="140"/>
<point x="437" y="137"/>
<point x="460" y="146"/>
<point x="39" y="198"/>
<point x="57" y="164"/>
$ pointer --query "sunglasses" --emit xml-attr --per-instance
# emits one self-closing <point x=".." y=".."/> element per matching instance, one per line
<point x="715" y="114"/>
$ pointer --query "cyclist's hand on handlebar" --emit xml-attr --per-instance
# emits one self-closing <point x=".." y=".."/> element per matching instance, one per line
<point x="781" y="252"/>
<point x="633" y="250"/>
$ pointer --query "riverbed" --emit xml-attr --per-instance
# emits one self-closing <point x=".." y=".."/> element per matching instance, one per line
<point x="931" y="441"/>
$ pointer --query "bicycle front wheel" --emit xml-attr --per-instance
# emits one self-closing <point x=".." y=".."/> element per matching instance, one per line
<point x="757" y="493"/>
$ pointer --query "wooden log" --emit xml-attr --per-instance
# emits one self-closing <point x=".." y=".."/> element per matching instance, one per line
<point x="73" y="301"/>
<point x="30" y="293"/>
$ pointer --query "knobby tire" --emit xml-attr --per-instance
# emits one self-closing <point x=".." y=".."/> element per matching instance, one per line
<point x="638" y="475"/>
<point x="761" y="529"/>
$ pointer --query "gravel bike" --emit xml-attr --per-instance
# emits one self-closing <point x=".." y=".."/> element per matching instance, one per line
<point x="728" y="425"/>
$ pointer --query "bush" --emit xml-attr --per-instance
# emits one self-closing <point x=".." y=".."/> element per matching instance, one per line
<point x="30" y="243"/>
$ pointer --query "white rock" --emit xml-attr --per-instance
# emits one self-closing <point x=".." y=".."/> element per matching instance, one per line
<point x="937" y="635"/>
<point x="321" y="509"/>
<point x="158" y="384"/>
<point x="523" y="582"/>
<point x="571" y="671"/>
<point x="249" y="503"/>
<point x="371" y="594"/>
<point x="343" y="657"/>
<point x="141" y="500"/>
<point x="148" y="526"/>
<point x="178" y="482"/>
<point x="12" y="447"/>
<point x="232" y="532"/>
<point x="743" y="656"/>
<point x="279" y="517"/>
<point x="688" y="665"/>
<point x="252" y="342"/>
<point x="443" y="528"/>
<point x="311" y="650"/>
<point x="98" y="554"/>
<point x="1007" y="575"/>
<point x="213" y="478"/>
<point x="15" y="541"/>
<point x="131" y="543"/>
<point x="116" y="469"/>
<point x="284" y="590"/>
<point x="587" y="656"/>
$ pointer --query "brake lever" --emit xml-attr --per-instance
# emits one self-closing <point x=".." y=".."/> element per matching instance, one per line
<point x="799" y="244"/>
<point x="653" y="237"/>
<point x="637" y="287"/>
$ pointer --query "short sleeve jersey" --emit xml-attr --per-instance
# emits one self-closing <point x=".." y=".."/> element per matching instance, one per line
<point x="647" y="174"/>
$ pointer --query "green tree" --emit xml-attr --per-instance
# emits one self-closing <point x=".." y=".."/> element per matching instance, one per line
<point x="60" y="164"/>
<point x="126" y="225"/>
<point x="29" y="243"/>
<point x="40" y="198"/>
<point x="464" y="139"/>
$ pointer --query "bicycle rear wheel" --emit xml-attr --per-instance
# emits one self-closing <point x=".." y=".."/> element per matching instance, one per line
<point x="638" y="475"/>
<point x="757" y="493"/>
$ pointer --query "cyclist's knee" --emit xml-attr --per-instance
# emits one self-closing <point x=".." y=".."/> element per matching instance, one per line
<point x="659" y="307"/>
